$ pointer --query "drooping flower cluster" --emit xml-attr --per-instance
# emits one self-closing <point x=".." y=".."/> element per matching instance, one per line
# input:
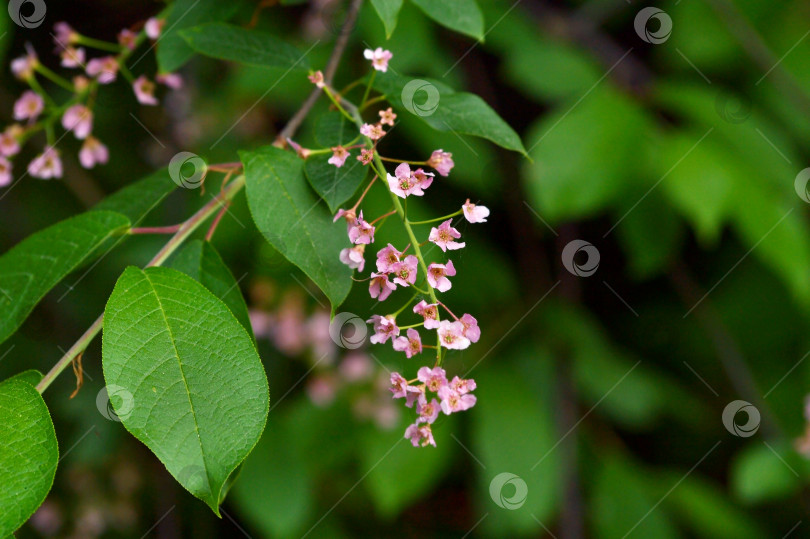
<point x="36" y="110"/>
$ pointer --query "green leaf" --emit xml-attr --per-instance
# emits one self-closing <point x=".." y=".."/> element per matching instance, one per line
<point x="291" y="218"/>
<point x="28" y="453"/>
<point x="141" y="197"/>
<point x="190" y="383"/>
<point x="759" y="475"/>
<point x="445" y="110"/>
<point x="31" y="376"/>
<point x="463" y="16"/>
<point x="201" y="261"/>
<point x="335" y="185"/>
<point x="172" y="49"/>
<point x="388" y="11"/>
<point x="333" y="128"/>
<point x="36" y="264"/>
<point x="252" y="47"/>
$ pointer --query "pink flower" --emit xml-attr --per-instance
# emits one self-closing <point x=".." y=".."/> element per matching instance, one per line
<point x="438" y="273"/>
<point x="5" y="172"/>
<point x="63" y="34"/>
<point x="387" y="116"/>
<point x="317" y="79"/>
<point x="172" y="80"/>
<point x="372" y="131"/>
<point x="366" y="156"/>
<point x="434" y="379"/>
<point x="462" y="386"/>
<point x="405" y="271"/>
<point x="445" y="235"/>
<point x="23" y="67"/>
<point x="104" y="69"/>
<point x="453" y="401"/>
<point x="379" y="58"/>
<point x="46" y="165"/>
<point x="349" y="215"/>
<point x="78" y="119"/>
<point x="420" y="435"/>
<point x="471" y="329"/>
<point x="475" y="214"/>
<point x="399" y="385"/>
<point x="451" y="335"/>
<point x="386" y="258"/>
<point x="428" y="411"/>
<point x="423" y="179"/>
<point x="415" y="395"/>
<point x="93" y="153"/>
<point x="411" y="345"/>
<point x="385" y="327"/>
<point x="353" y="257"/>
<point x="153" y="27"/>
<point x="144" y="91"/>
<point x="404" y="184"/>
<point x="428" y="311"/>
<point x="442" y="161"/>
<point x="72" y="57"/>
<point x="127" y="38"/>
<point x="302" y="152"/>
<point x="9" y="142"/>
<point x="339" y="155"/>
<point x="28" y="106"/>
<point x="360" y="231"/>
<point x="380" y="287"/>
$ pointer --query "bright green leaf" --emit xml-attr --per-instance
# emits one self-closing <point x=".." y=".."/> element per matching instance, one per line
<point x="36" y="264"/>
<point x="229" y="42"/>
<point x="189" y="382"/>
<point x="141" y="197"/>
<point x="335" y="185"/>
<point x="463" y="16"/>
<point x="172" y="49"/>
<point x="758" y="474"/>
<point x="388" y="11"/>
<point x="292" y="219"/>
<point x="31" y="376"/>
<point x="200" y="260"/>
<point x="28" y="453"/>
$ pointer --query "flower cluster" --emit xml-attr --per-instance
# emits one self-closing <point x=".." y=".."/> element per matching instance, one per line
<point x="453" y="396"/>
<point x="35" y="110"/>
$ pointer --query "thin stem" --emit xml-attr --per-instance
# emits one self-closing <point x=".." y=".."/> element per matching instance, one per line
<point x="392" y="160"/>
<point x="99" y="44"/>
<point x="53" y="77"/>
<point x="368" y="88"/>
<point x="442" y="218"/>
<point x="405" y="306"/>
<point x="155" y="229"/>
<point x="337" y="104"/>
<point x="372" y="101"/>
<point x="182" y="234"/>
<point x="448" y="310"/>
<point x="383" y="216"/>
<point x="359" y="200"/>
<point x="215" y="223"/>
<point x="420" y="324"/>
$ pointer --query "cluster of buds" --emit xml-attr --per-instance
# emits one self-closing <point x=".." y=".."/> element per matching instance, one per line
<point x="36" y="110"/>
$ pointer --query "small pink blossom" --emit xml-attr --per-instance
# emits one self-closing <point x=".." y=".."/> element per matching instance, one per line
<point x="28" y="106"/>
<point x="434" y="379"/>
<point x="474" y="213"/>
<point x="104" y="69"/>
<point x="339" y="156"/>
<point x="23" y="67"/>
<point x="387" y="117"/>
<point x="420" y="435"/>
<point x="366" y="156"/>
<point x="428" y="411"/>
<point x="349" y="215"/>
<point x="405" y="271"/>
<point x="428" y="311"/>
<point x="317" y="79"/>
<point x="445" y="236"/>
<point x="353" y="257"/>
<point x="411" y="345"/>
<point x="423" y="179"/>
<point x="302" y="152"/>
<point x="5" y="172"/>
<point x="380" y="287"/>
<point x="416" y="394"/>
<point x="471" y="329"/>
<point x="453" y="401"/>
<point x="438" y="273"/>
<point x="127" y="38"/>
<point x="72" y="57"/>
<point x="9" y="141"/>
<point x="80" y="83"/>
<point x="78" y="119"/>
<point x="153" y="27"/>
<point x="372" y="131"/>
<point x="46" y="165"/>
<point x="404" y="184"/>
<point x="172" y="80"/>
<point x="379" y="58"/>
<point x="385" y="327"/>
<point x="451" y="335"/>
<point x="399" y="385"/>
<point x="93" y="153"/>
<point x="63" y="34"/>
<point x="144" y="91"/>
<point x="386" y="258"/>
<point x="361" y="231"/>
<point x="442" y="161"/>
<point x="462" y="386"/>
